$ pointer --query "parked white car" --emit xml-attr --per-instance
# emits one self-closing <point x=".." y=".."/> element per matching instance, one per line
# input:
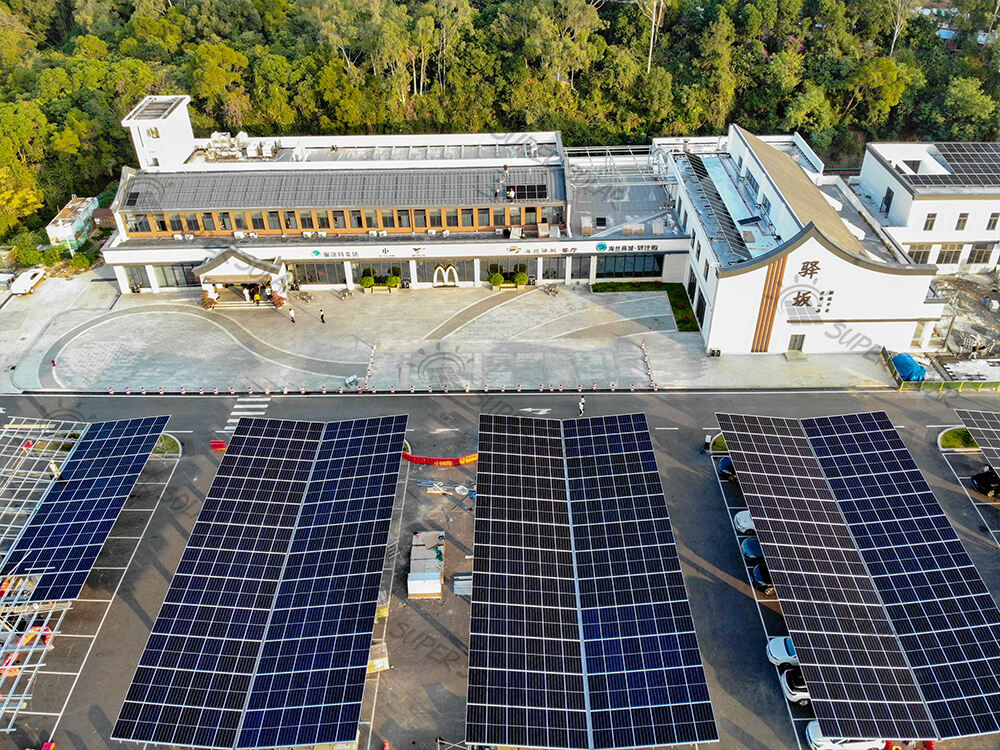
<point x="818" y="742"/>
<point x="781" y="652"/>
<point x="6" y="279"/>
<point x="794" y="686"/>
<point x="743" y="523"/>
<point x="27" y="281"/>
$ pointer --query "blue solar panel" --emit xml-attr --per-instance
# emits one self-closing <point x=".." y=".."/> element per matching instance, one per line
<point x="65" y="534"/>
<point x="581" y="633"/>
<point x="264" y="635"/>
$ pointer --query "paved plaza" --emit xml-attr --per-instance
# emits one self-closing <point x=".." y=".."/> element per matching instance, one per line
<point x="433" y="338"/>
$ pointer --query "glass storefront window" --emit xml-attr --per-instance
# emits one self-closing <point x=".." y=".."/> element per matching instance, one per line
<point x="208" y="222"/>
<point x="509" y="267"/>
<point x="629" y="266"/>
<point x="553" y="268"/>
<point x="137" y="277"/>
<point x="318" y="273"/>
<point x="257" y="220"/>
<point x="179" y="275"/>
<point x="380" y="270"/>
<point x="464" y="268"/>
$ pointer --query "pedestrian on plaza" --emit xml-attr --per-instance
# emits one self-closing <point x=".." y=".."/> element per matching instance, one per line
<point x="246" y="294"/>
<point x="53" y="362"/>
<point x="582" y="405"/>
<point x="322" y="316"/>
<point x="291" y="314"/>
<point x="256" y="299"/>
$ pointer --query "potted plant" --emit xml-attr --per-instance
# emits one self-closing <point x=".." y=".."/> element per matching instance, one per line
<point x="368" y="284"/>
<point x="521" y="279"/>
<point x="393" y="282"/>
<point x="496" y="279"/>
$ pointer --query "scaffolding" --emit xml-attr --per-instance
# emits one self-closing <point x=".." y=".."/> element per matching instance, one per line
<point x="32" y="453"/>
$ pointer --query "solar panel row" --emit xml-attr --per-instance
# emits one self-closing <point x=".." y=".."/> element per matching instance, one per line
<point x="895" y="631"/>
<point x="263" y="637"/>
<point x="581" y="632"/>
<point x="64" y="536"/>
<point x="984" y="426"/>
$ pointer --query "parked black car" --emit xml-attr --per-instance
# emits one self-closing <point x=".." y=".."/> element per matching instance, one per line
<point x="751" y="550"/>
<point x="727" y="471"/>
<point x="762" y="579"/>
<point x="986" y="482"/>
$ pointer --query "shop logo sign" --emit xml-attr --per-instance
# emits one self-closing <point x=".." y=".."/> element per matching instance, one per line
<point x="602" y="247"/>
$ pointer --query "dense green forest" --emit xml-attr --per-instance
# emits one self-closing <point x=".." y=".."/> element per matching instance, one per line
<point x="839" y="71"/>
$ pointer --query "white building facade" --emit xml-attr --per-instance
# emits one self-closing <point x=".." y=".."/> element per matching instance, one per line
<point x="939" y="202"/>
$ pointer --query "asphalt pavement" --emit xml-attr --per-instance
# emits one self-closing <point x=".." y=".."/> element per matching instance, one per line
<point x="423" y="696"/>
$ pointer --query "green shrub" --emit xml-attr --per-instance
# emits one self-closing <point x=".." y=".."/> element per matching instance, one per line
<point x="80" y="261"/>
<point x="521" y="278"/>
<point x="52" y="256"/>
<point x="393" y="281"/>
<point x="496" y="279"/>
<point x="958" y="438"/>
<point x="26" y="256"/>
<point x="367" y="282"/>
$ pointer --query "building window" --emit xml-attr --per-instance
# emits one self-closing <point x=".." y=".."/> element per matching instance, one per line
<point x="629" y="266"/>
<point x="176" y="225"/>
<point x="137" y="222"/>
<point x="379" y="270"/>
<point x="981" y="252"/>
<point x="484" y="217"/>
<point x="257" y="220"/>
<point x="529" y="216"/>
<point x="356" y="220"/>
<point x="403" y="219"/>
<point x="191" y="220"/>
<point x="697" y="250"/>
<point x="963" y="219"/>
<point x="420" y="218"/>
<point x="306" y="218"/>
<point x="918" y="334"/>
<point x="435" y="216"/>
<point x="991" y="223"/>
<point x="699" y="309"/>
<point x="929" y="222"/>
<point x="754" y="185"/>
<point x="388" y="220"/>
<point x="464" y="269"/>
<point x="153" y="132"/>
<point x="323" y="219"/>
<point x="949" y="254"/>
<point x="240" y="220"/>
<point x="318" y="273"/>
<point x="692" y="286"/>
<point x="705" y="270"/>
<point x="208" y="222"/>
<point x="515" y="216"/>
<point x="554" y="268"/>
<point x="137" y="277"/>
<point x="179" y="275"/>
<point x="371" y="219"/>
<point x="920" y="253"/>
<point x="509" y="267"/>
<point x="273" y="220"/>
<point x="468" y="217"/>
<point x="225" y="222"/>
<point x="499" y="219"/>
<point x="765" y="205"/>
<point x="451" y="217"/>
<point x="290" y="220"/>
<point x="160" y="222"/>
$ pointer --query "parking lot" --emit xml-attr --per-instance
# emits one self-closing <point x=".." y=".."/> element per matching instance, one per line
<point x="422" y="697"/>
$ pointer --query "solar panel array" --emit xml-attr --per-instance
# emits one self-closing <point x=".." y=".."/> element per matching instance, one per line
<point x="264" y="636"/>
<point x="896" y="632"/>
<point x="972" y="164"/>
<point x="65" y="534"/>
<point x="984" y="426"/>
<point x="581" y="632"/>
<point x="718" y="207"/>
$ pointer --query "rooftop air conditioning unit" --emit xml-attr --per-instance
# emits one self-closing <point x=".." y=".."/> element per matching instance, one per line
<point x="432" y="232"/>
<point x="373" y="233"/>
<point x="178" y="236"/>
<point x="321" y="234"/>
<point x="445" y="232"/>
<point x="307" y="234"/>
<point x="239" y="235"/>
<point x="383" y="233"/>
<point x="498" y="232"/>
<point x="252" y="235"/>
<point x="189" y="237"/>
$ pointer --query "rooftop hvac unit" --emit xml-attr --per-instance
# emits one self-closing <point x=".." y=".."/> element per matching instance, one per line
<point x="445" y="232"/>
<point x="239" y="235"/>
<point x="307" y="235"/>
<point x="372" y="233"/>
<point x="498" y="232"/>
<point x="242" y="139"/>
<point x="178" y="236"/>
<point x="383" y="233"/>
<point x="556" y="232"/>
<point x="321" y="234"/>
<point x="432" y="232"/>
<point x="252" y="235"/>
<point x="189" y="237"/>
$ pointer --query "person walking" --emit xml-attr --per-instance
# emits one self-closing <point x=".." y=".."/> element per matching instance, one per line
<point x="256" y="299"/>
<point x="581" y="406"/>
<point x="291" y="314"/>
<point x="246" y="294"/>
<point x="322" y="316"/>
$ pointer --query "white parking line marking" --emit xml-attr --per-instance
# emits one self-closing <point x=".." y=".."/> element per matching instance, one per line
<point x="666" y="428"/>
<point x="92" y="601"/>
<point x="977" y="504"/>
<point x="107" y="609"/>
<point x="57" y="674"/>
<point x="103" y="567"/>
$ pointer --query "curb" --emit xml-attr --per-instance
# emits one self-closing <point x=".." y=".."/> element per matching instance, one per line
<point x="954" y="450"/>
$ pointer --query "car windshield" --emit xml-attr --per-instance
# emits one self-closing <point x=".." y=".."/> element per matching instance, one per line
<point x="789" y="647"/>
<point x="796" y="680"/>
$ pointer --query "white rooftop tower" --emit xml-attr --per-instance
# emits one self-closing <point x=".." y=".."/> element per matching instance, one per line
<point x="161" y="131"/>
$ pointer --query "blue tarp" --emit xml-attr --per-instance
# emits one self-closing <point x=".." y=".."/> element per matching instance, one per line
<point x="908" y="368"/>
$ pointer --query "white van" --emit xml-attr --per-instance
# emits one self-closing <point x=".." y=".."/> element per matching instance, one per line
<point x="27" y="281"/>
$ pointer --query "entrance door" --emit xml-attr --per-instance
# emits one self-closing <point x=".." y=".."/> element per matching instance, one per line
<point x="445" y="276"/>
<point x="796" y="341"/>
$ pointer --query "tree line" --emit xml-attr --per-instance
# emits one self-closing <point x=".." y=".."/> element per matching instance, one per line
<point x="602" y="71"/>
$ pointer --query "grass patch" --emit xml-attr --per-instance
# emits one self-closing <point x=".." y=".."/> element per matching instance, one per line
<point x="167" y="445"/>
<point x="958" y="438"/>
<point x="679" y="303"/>
<point x="719" y="444"/>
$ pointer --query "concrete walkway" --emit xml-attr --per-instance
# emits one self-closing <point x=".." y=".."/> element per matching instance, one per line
<point x="421" y="338"/>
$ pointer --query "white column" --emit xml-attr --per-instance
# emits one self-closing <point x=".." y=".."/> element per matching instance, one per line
<point x="538" y="271"/>
<point x="122" y="280"/>
<point x="413" y="273"/>
<point x="475" y="272"/>
<point x="569" y="269"/>
<point x="348" y="276"/>
<point x="593" y="268"/>
<point x="925" y="339"/>
<point x="154" y="285"/>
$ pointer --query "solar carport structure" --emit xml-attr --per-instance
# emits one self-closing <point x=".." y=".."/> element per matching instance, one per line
<point x="984" y="426"/>
<point x="581" y="630"/>
<point x="264" y="636"/>
<point x="895" y="630"/>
